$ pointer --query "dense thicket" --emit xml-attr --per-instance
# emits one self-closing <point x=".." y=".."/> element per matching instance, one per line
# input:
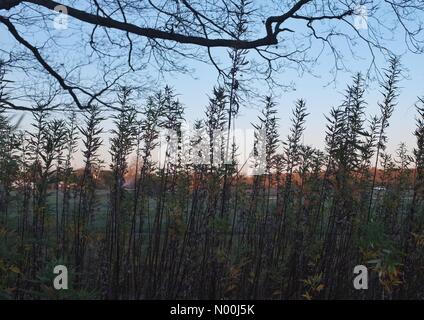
<point x="138" y="228"/>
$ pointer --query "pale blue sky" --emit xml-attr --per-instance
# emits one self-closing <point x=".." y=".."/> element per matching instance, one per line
<point x="194" y="88"/>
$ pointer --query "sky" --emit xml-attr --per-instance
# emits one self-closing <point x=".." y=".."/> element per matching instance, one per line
<point x="319" y="92"/>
